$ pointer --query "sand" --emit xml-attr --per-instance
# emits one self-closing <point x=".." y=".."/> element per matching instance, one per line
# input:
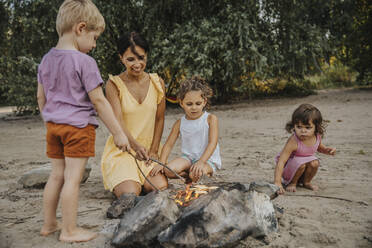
<point x="339" y="214"/>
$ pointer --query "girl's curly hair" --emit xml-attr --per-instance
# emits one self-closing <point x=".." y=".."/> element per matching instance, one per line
<point x="196" y="83"/>
<point x="304" y="114"/>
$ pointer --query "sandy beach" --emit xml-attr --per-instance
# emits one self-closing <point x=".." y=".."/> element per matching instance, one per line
<point x="339" y="214"/>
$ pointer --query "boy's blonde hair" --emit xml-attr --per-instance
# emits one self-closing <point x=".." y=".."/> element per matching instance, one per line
<point x="72" y="12"/>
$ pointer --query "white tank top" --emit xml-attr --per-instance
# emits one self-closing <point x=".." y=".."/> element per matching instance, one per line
<point x="194" y="139"/>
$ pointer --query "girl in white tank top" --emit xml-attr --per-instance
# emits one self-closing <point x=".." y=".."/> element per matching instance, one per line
<point x="199" y="135"/>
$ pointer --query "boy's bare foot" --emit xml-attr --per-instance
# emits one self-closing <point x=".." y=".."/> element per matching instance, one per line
<point x="291" y="187"/>
<point x="46" y="229"/>
<point x="310" y="186"/>
<point x="79" y="235"/>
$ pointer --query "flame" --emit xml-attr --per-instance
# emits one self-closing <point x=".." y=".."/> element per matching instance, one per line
<point x="184" y="197"/>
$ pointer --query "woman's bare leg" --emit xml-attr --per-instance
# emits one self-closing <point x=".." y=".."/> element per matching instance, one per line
<point x="180" y="165"/>
<point x="127" y="187"/>
<point x="159" y="181"/>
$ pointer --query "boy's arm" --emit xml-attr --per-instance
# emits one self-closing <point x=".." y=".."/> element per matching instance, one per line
<point x="289" y="147"/>
<point x="159" y="126"/>
<point x="170" y="141"/>
<point x="326" y="150"/>
<point x="40" y="97"/>
<point x="106" y="114"/>
<point x="212" y="138"/>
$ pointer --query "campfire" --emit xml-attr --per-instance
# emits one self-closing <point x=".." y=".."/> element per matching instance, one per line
<point x="185" y="197"/>
<point x="197" y="216"/>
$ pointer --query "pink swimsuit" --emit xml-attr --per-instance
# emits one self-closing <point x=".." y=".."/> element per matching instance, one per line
<point x="302" y="155"/>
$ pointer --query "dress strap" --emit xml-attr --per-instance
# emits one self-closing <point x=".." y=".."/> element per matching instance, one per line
<point x="318" y="139"/>
<point x="154" y="78"/>
<point x="299" y="142"/>
<point x="118" y="83"/>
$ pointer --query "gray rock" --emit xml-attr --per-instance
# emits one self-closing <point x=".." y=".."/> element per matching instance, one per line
<point x="264" y="187"/>
<point x="121" y="205"/>
<point x="222" y="218"/>
<point x="141" y="225"/>
<point x="37" y="178"/>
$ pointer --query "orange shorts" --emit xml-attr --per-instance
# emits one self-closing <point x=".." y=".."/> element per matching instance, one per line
<point x="68" y="141"/>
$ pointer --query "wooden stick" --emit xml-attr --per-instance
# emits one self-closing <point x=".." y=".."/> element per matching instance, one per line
<point x="332" y="197"/>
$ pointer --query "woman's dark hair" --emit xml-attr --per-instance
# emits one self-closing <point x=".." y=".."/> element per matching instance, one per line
<point x="131" y="40"/>
<point x="195" y="83"/>
<point x="304" y="114"/>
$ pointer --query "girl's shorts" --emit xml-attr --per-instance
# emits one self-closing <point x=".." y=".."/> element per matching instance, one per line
<point x="64" y="140"/>
<point x="193" y="161"/>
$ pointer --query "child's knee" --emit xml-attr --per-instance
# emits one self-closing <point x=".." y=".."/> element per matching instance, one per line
<point x="314" y="164"/>
<point x="208" y="170"/>
<point x="57" y="177"/>
<point x="302" y="167"/>
<point x="169" y="173"/>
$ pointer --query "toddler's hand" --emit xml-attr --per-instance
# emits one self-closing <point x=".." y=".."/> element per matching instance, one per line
<point x="281" y="189"/>
<point x="121" y="142"/>
<point x="331" y="151"/>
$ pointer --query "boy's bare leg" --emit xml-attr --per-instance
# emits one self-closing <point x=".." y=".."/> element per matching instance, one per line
<point x="310" y="172"/>
<point x="51" y="194"/>
<point x="180" y="165"/>
<point x="291" y="187"/>
<point x="74" y="170"/>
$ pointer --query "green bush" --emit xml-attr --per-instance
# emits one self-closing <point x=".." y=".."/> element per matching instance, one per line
<point x="223" y="41"/>
<point x="337" y="75"/>
<point x="19" y="79"/>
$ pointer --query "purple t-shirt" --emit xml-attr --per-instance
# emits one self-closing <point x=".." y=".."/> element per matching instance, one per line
<point x="67" y="76"/>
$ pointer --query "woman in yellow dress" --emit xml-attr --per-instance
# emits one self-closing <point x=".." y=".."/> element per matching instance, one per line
<point x="138" y="101"/>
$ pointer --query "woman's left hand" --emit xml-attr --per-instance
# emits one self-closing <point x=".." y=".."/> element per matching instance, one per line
<point x="152" y="155"/>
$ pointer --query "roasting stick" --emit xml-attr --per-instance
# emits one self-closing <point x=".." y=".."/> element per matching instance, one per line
<point x="156" y="161"/>
<point x="143" y="174"/>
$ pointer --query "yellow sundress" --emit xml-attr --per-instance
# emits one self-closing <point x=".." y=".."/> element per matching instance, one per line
<point x="118" y="166"/>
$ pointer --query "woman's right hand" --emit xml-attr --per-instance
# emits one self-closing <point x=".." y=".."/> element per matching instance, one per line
<point x="121" y="142"/>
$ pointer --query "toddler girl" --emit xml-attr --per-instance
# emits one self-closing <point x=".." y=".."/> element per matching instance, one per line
<point x="199" y="134"/>
<point x="296" y="164"/>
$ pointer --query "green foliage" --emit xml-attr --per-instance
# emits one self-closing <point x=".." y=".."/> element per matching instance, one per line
<point x="351" y="32"/>
<point x="231" y="49"/>
<point x="279" y="87"/>
<point x="19" y="77"/>
<point x="4" y="44"/>
<point x="333" y="75"/>
<point x="243" y="48"/>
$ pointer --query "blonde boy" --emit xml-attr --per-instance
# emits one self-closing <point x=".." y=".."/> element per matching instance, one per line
<point x="69" y="94"/>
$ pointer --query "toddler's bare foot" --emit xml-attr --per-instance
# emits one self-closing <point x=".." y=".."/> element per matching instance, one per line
<point x="310" y="186"/>
<point x="291" y="188"/>
<point x="79" y="235"/>
<point x="49" y="229"/>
